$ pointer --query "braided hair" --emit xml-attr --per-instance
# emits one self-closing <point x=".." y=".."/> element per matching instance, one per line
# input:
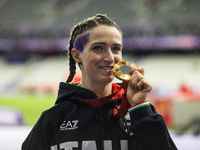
<point x="81" y="28"/>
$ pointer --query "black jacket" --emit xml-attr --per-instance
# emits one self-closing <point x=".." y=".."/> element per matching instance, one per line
<point x="72" y="125"/>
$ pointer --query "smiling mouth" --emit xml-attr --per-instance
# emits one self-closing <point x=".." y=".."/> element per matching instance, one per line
<point x="107" y="68"/>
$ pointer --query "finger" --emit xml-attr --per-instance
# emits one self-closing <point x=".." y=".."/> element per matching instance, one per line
<point x="135" y="78"/>
<point x="144" y="84"/>
<point x="138" y="69"/>
<point x="140" y="85"/>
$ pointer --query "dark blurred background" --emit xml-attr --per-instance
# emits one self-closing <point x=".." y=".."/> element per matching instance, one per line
<point x="148" y="25"/>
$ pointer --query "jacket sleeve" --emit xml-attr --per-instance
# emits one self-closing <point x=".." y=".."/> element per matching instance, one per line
<point x="40" y="136"/>
<point x="149" y="129"/>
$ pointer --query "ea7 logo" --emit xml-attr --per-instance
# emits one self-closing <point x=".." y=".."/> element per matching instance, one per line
<point x="69" y="125"/>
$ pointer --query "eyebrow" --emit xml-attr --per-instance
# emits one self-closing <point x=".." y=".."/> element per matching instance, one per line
<point x="105" y="43"/>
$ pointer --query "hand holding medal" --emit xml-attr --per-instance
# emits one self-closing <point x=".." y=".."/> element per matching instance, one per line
<point x="138" y="86"/>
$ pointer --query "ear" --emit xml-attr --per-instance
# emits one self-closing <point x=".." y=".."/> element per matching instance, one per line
<point x="76" y="55"/>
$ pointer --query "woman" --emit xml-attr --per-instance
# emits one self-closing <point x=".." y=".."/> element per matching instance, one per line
<point x="96" y="46"/>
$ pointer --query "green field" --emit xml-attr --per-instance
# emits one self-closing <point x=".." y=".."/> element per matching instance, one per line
<point x="31" y="105"/>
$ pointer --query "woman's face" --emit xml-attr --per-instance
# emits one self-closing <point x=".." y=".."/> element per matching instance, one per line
<point x="100" y="54"/>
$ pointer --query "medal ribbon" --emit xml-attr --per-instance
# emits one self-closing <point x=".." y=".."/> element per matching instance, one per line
<point x="103" y="100"/>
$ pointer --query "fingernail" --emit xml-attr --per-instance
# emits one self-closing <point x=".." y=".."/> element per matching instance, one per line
<point x="130" y="84"/>
<point x="132" y="71"/>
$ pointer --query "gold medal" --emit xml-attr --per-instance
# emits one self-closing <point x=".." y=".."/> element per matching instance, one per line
<point x="122" y="70"/>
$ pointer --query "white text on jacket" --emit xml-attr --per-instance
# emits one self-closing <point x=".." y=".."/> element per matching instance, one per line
<point x="69" y="125"/>
<point x="86" y="145"/>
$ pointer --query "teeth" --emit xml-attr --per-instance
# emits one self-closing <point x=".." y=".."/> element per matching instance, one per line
<point x="107" y="68"/>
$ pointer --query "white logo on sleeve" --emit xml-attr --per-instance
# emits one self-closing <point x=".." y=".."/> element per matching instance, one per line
<point x="69" y="125"/>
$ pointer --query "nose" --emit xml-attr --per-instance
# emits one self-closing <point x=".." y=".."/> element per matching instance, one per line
<point x="109" y="56"/>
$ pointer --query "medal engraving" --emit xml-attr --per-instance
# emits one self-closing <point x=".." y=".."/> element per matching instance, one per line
<point x="125" y="69"/>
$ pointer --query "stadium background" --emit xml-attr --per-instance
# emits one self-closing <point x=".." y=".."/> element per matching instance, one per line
<point x="162" y="36"/>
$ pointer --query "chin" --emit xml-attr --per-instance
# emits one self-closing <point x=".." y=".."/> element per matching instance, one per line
<point x="108" y="80"/>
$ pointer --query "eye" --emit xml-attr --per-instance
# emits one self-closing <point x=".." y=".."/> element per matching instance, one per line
<point x="97" y="48"/>
<point x="117" y="48"/>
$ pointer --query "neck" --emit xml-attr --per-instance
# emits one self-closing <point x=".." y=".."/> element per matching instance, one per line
<point x="101" y="90"/>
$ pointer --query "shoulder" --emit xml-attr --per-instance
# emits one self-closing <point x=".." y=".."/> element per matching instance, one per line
<point x="60" y="108"/>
